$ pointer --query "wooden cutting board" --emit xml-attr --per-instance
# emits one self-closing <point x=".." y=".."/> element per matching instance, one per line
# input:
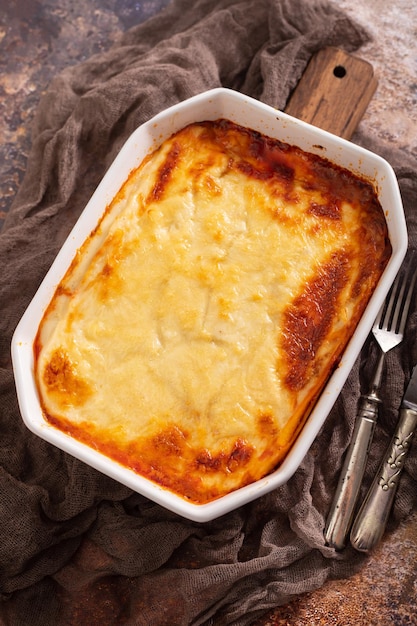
<point x="333" y="92"/>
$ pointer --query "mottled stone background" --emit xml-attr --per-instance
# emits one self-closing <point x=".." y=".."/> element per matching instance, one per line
<point x="38" y="38"/>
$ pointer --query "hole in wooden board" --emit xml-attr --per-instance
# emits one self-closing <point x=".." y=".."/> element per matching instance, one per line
<point x="339" y="71"/>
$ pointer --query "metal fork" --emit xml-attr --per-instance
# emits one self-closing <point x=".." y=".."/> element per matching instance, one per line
<point x="388" y="330"/>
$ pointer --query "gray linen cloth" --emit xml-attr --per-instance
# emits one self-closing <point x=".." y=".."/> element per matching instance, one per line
<point x="76" y="546"/>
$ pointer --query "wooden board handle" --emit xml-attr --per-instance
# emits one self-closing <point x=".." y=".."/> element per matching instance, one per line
<point x="333" y="92"/>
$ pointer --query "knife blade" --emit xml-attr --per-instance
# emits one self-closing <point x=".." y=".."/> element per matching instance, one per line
<point x="409" y="400"/>
<point x="371" y="520"/>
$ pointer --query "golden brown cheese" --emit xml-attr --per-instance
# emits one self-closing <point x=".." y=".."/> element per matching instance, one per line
<point x="199" y="322"/>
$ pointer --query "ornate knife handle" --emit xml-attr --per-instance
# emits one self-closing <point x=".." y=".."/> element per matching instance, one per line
<point x="340" y="517"/>
<point x="370" y="523"/>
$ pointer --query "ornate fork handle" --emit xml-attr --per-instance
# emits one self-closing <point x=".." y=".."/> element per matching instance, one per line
<point x="372" y="517"/>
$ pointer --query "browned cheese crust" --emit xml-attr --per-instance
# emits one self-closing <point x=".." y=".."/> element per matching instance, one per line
<point x="200" y="321"/>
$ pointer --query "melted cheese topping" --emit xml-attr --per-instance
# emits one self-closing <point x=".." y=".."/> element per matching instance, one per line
<point x="199" y="322"/>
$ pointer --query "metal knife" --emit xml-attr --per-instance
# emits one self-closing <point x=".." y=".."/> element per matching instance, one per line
<point x="371" y="520"/>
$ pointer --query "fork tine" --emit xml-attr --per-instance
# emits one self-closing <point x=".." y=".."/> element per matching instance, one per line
<point x="390" y="323"/>
<point x="388" y="305"/>
<point x="398" y="303"/>
<point x="407" y="300"/>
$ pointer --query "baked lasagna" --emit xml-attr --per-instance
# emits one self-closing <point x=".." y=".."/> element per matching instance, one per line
<point x="198" y="323"/>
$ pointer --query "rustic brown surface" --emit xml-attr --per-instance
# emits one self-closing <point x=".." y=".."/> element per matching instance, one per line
<point x="38" y="39"/>
<point x="384" y="592"/>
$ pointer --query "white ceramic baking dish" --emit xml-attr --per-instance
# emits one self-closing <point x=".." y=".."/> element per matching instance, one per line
<point x="217" y="103"/>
